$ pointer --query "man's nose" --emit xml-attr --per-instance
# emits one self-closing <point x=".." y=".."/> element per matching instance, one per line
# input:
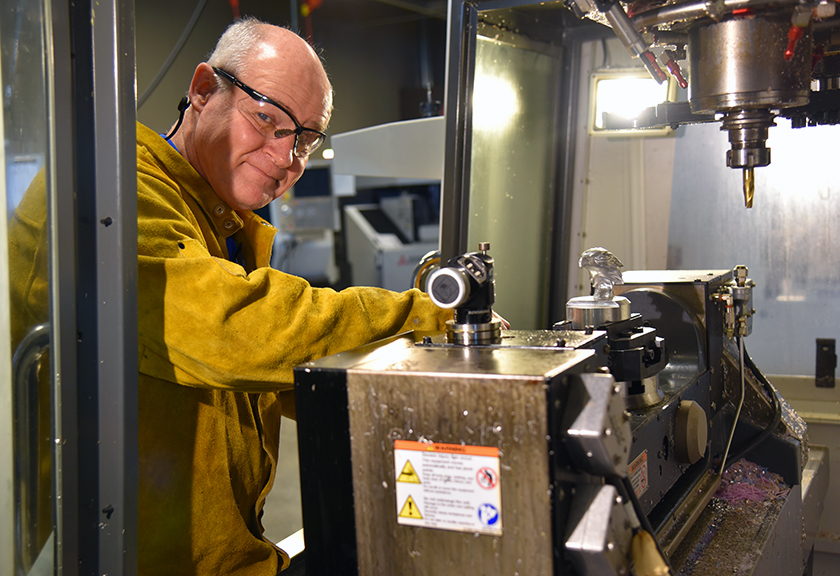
<point x="281" y="150"/>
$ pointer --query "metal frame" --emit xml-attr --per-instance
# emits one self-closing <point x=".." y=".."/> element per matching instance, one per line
<point x="463" y="25"/>
<point x="63" y="291"/>
<point x="95" y="286"/>
<point x="454" y="208"/>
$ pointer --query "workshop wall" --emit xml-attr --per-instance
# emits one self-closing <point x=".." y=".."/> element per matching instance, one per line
<point x="373" y="51"/>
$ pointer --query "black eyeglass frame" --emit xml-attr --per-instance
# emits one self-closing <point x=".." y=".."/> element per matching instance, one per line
<point x="263" y="98"/>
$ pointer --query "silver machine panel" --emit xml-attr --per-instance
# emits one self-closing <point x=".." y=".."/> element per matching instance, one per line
<point x="394" y="442"/>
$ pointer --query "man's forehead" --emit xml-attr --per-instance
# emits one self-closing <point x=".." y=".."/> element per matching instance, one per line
<point x="284" y="67"/>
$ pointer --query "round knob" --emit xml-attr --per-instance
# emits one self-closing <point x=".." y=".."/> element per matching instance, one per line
<point x="691" y="432"/>
<point x="448" y="287"/>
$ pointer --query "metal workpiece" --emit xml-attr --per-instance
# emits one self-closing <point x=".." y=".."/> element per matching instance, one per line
<point x="599" y="532"/>
<point x="599" y="437"/>
<point x="588" y="311"/>
<point x="604" y="270"/>
<point x="635" y="352"/>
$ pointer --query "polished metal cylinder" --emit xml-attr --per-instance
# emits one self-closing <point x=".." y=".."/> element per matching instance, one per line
<point x="738" y="63"/>
<point x="587" y="311"/>
<point x="474" y="334"/>
<point x="748" y="137"/>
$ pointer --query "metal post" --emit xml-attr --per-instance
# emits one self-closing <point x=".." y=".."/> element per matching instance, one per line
<point x="454" y="205"/>
<point x="106" y="296"/>
<point x="63" y="291"/>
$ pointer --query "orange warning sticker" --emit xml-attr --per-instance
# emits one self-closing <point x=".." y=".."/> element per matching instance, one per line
<point x="446" y="448"/>
<point x="460" y="488"/>
<point x="638" y="472"/>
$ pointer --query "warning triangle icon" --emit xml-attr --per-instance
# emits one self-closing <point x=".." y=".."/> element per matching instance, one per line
<point x="409" y="510"/>
<point x="408" y="474"/>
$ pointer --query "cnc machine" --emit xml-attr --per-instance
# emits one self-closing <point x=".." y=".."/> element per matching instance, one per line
<point x="626" y="429"/>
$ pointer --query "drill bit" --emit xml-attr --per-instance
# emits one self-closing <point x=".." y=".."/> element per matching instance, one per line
<point x="749" y="186"/>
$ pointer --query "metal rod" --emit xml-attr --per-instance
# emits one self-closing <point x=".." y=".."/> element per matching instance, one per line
<point x="740" y="404"/>
<point x="693" y="10"/>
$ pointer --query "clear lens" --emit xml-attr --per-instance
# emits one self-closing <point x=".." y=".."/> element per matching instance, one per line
<point x="307" y="143"/>
<point x="272" y="122"/>
<point x="269" y="120"/>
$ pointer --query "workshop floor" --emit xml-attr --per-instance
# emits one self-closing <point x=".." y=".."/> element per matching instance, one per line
<point x="282" y="515"/>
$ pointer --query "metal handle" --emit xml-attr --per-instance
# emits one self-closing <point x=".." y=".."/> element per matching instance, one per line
<point x="26" y="400"/>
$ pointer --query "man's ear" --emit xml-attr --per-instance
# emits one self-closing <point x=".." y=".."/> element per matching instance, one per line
<point x="203" y="85"/>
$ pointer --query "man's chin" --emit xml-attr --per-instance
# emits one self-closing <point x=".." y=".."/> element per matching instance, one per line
<point x="257" y="198"/>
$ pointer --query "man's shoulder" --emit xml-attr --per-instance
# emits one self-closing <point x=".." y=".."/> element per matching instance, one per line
<point x="158" y="164"/>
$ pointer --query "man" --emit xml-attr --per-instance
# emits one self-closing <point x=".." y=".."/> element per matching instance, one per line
<point x="220" y="331"/>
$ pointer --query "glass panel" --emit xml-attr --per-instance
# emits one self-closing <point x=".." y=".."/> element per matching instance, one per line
<point x="511" y="173"/>
<point x="788" y="239"/>
<point x="24" y="345"/>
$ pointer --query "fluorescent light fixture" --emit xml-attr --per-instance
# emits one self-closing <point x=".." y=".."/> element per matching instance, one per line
<point x="617" y="97"/>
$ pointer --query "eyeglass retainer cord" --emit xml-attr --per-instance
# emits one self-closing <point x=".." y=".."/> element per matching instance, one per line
<point x="182" y="108"/>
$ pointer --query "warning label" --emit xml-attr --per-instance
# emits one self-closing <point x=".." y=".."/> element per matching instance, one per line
<point x="448" y="486"/>
<point x="638" y="472"/>
<point x="408" y="474"/>
<point x="409" y="510"/>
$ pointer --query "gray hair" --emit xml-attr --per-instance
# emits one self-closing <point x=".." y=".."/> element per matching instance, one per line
<point x="235" y="47"/>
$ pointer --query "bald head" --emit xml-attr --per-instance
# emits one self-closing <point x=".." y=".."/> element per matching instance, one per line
<point x="250" y="43"/>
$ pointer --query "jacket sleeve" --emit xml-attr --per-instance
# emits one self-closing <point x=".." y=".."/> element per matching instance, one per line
<point x="204" y="322"/>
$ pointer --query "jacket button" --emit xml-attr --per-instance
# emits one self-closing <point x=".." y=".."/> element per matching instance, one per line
<point x="219" y="210"/>
<point x="228" y="224"/>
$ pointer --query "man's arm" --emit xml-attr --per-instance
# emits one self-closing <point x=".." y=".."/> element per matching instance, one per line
<point x="205" y="322"/>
